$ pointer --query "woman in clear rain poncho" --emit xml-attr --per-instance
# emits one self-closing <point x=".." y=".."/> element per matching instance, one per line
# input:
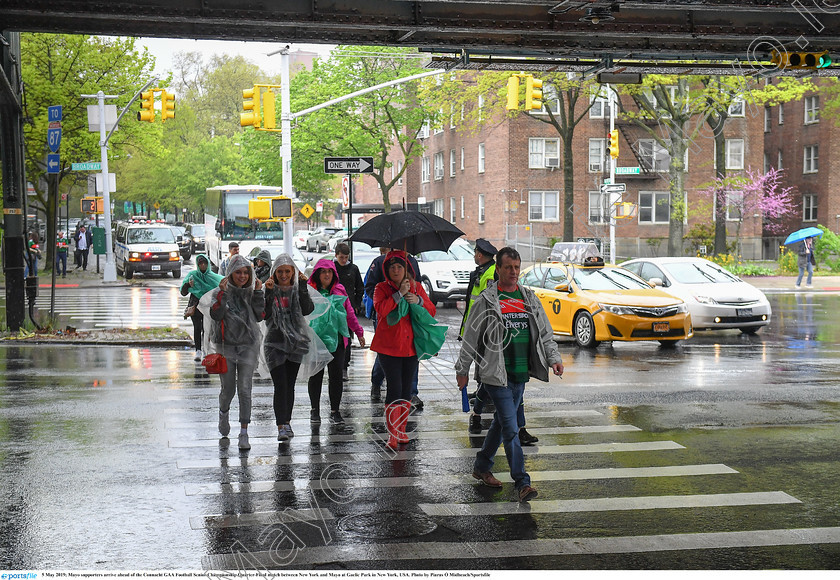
<point x="333" y="327"/>
<point x="234" y="311"/>
<point x="198" y="283"/>
<point x="287" y="336"/>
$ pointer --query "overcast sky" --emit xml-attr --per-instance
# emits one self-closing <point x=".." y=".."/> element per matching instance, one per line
<point x="164" y="49"/>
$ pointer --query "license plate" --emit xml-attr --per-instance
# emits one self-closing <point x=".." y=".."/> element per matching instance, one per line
<point x="661" y="326"/>
<point x="742" y="312"/>
<point x="155" y="267"/>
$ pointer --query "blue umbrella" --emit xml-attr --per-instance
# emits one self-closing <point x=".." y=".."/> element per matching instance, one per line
<point x="800" y="235"/>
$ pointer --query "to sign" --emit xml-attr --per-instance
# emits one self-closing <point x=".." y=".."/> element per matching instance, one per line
<point x="348" y="164"/>
<point x="54" y="113"/>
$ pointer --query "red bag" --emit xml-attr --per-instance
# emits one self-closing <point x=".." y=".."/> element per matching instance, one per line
<point x="215" y="363"/>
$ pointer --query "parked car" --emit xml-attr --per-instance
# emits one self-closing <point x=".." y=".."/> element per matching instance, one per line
<point x="300" y="238"/>
<point x="319" y="240"/>
<point x="715" y="297"/>
<point x="446" y="275"/>
<point x="183" y="242"/>
<point x="339" y="236"/>
<point x="302" y="262"/>
<point x="594" y="302"/>
<point x="195" y="236"/>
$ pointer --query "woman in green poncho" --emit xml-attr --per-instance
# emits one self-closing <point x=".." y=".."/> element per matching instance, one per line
<point x="198" y="283"/>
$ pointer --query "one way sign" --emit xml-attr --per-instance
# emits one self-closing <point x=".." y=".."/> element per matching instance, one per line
<point x="348" y="164"/>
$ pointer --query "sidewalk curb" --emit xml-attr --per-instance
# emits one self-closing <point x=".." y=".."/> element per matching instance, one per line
<point x="98" y="342"/>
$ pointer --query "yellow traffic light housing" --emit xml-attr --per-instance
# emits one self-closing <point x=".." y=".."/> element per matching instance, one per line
<point x="513" y="93"/>
<point x="93" y="205"/>
<point x="252" y="107"/>
<point x="533" y="94"/>
<point x="614" y="143"/>
<point x="801" y="60"/>
<point x="167" y="106"/>
<point x="269" y="113"/>
<point x="270" y="209"/>
<point x="147" y="106"/>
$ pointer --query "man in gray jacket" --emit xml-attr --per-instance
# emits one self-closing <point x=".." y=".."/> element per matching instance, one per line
<point x="509" y="337"/>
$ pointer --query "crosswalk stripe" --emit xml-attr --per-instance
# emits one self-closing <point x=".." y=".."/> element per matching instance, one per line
<point x="438" y="453"/>
<point x="259" y="518"/>
<point x="560" y="413"/>
<point x="425" y="551"/>
<point x="426" y="435"/>
<point x="609" y="504"/>
<point x="455" y="479"/>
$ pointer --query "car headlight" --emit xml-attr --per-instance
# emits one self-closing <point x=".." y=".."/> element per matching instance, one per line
<point x="705" y="300"/>
<point x="615" y="309"/>
<point x="682" y="308"/>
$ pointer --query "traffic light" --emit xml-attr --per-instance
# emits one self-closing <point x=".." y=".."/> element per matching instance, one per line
<point x="533" y="93"/>
<point x="147" y="107"/>
<point x="167" y="106"/>
<point x="252" y="108"/>
<point x="269" y="114"/>
<point x="801" y="60"/>
<point x="93" y="205"/>
<point x="513" y="93"/>
<point x="270" y="209"/>
<point x="614" y="143"/>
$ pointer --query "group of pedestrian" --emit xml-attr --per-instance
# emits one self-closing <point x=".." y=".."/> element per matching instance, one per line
<point x="505" y="332"/>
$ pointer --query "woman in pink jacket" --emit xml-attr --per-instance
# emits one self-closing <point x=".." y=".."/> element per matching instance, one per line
<point x="333" y="326"/>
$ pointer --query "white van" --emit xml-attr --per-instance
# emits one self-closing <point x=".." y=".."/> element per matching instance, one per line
<point x="148" y="248"/>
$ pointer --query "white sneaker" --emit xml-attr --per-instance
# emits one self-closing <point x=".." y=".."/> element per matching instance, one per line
<point x="809" y="286"/>
<point x="243" y="441"/>
<point x="797" y="286"/>
<point x="199" y="355"/>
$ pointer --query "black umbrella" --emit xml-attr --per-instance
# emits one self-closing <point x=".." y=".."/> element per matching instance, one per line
<point x="411" y="231"/>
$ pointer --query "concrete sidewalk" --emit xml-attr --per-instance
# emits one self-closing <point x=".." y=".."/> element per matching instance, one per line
<point x="824" y="283"/>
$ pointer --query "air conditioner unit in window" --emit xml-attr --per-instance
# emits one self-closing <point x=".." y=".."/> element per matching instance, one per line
<point x="552" y="162"/>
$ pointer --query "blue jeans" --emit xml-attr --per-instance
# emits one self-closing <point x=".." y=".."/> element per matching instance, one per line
<point x="481" y="398"/>
<point x="802" y="273"/>
<point x="61" y="263"/>
<point x="504" y="430"/>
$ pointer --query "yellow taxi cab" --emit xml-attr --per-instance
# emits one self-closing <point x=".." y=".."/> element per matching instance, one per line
<point x="595" y="302"/>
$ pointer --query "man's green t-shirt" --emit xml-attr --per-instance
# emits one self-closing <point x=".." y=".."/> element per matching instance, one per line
<point x="517" y="335"/>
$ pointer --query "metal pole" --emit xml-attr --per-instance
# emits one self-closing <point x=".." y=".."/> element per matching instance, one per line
<point x="54" y="187"/>
<point x="110" y="273"/>
<point x="286" y="144"/>
<point x="610" y="195"/>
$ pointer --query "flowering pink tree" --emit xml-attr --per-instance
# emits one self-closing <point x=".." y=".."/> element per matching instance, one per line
<point x="753" y="193"/>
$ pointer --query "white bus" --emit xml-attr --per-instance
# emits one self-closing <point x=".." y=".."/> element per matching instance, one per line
<point x="226" y="216"/>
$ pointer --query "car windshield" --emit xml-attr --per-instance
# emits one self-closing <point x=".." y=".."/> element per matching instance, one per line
<point x="608" y="279"/>
<point x="455" y="252"/>
<point x="198" y="230"/>
<point x="151" y="236"/>
<point x="702" y="273"/>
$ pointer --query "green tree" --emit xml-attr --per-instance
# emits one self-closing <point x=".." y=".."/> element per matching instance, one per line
<point x="367" y="125"/>
<point x="57" y="69"/>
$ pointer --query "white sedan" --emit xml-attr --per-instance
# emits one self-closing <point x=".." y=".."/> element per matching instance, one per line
<point x="300" y="238"/>
<point x="715" y="297"/>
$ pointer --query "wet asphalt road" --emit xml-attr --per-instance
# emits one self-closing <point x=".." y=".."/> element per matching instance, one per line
<point x="718" y="454"/>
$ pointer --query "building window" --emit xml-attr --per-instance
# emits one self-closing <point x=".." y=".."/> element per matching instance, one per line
<point x="766" y="163"/>
<point x="736" y="107"/>
<point x="480" y="108"/>
<point x="779" y="161"/>
<point x="597" y="214"/>
<point x="734" y="205"/>
<point x="598" y="157"/>
<point x="781" y="115"/>
<point x="462" y="207"/>
<point x="653" y="156"/>
<point x="766" y="119"/>
<point x="424" y="130"/>
<point x="481" y="208"/>
<point x="451" y="163"/>
<point x="812" y="110"/>
<point x="425" y="171"/>
<point x="734" y="153"/>
<point x="439" y="126"/>
<point x="811" y="162"/>
<point x="481" y="157"/>
<point x="600" y="105"/>
<point x="543" y="153"/>
<point x="437" y="207"/>
<point x="399" y="170"/>
<point x="809" y="207"/>
<point x="654" y="207"/>
<point x="543" y="205"/>
<point x="462" y="158"/>
<point x="439" y="166"/>
<point x="452" y="209"/>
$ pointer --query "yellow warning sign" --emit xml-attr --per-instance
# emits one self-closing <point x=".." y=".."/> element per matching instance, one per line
<point x="307" y="211"/>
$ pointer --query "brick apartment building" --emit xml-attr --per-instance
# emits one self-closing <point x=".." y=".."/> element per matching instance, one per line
<point x="799" y="141"/>
<point x="505" y="181"/>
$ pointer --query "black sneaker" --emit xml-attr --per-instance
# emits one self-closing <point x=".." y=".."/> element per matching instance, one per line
<point x="526" y="438"/>
<point x="416" y="402"/>
<point x="375" y="393"/>
<point x="344" y="376"/>
<point x="336" y="418"/>
<point x="314" y="416"/>
<point x="475" y="424"/>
